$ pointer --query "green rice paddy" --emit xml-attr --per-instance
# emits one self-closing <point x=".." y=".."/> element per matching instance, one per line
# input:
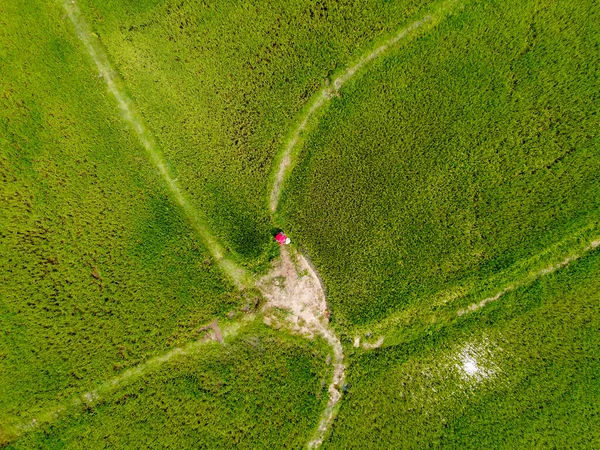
<point x="448" y="195"/>
<point x="522" y="373"/>
<point x="260" y="390"/>
<point x="449" y="161"/>
<point x="98" y="268"/>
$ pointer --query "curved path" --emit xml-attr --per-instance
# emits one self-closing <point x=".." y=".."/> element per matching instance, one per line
<point x="285" y="160"/>
<point x="309" y="313"/>
<point x="304" y="297"/>
<point x="522" y="273"/>
<point x="292" y="284"/>
<point x="531" y="278"/>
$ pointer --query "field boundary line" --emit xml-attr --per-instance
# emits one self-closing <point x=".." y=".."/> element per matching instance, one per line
<point x="528" y="273"/>
<point x="129" y="113"/>
<point x="284" y="161"/>
<point x="91" y="398"/>
<point x="531" y="278"/>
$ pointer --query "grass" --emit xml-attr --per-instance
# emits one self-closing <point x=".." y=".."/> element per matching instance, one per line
<point x="452" y="159"/>
<point x="261" y="389"/>
<point x="98" y="268"/>
<point x="533" y="358"/>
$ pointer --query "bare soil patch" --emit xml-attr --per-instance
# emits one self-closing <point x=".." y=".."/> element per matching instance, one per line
<point x="215" y="333"/>
<point x="294" y="288"/>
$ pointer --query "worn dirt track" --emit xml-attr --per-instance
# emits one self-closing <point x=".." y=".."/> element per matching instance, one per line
<point x="130" y="115"/>
<point x="304" y="297"/>
<point x="322" y="97"/>
<point x="216" y="333"/>
<point x="294" y="286"/>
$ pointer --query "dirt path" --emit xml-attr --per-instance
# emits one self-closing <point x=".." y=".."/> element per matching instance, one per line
<point x="530" y="279"/>
<point x="114" y="85"/>
<point x="584" y="242"/>
<point x="303" y="297"/>
<point x="211" y="332"/>
<point x="285" y="161"/>
<point x="216" y="334"/>
<point x="294" y="286"/>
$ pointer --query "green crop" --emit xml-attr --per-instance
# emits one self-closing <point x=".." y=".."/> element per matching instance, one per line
<point x="448" y="194"/>
<point x="521" y="373"/>
<point x="98" y="269"/>
<point x="262" y="389"/>
<point x="220" y="84"/>
<point x="452" y="158"/>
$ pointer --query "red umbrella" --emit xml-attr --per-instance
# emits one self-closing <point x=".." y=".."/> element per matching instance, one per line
<point x="282" y="238"/>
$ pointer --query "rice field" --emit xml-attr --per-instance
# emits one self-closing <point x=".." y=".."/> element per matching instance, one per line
<point x="433" y="162"/>
<point x="448" y="162"/>
<point x="519" y="374"/>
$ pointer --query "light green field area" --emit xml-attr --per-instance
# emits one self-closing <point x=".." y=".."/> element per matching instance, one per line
<point x="220" y="84"/>
<point x="523" y="373"/>
<point x="454" y="159"/>
<point x="98" y="270"/>
<point x="448" y="195"/>
<point x="260" y="390"/>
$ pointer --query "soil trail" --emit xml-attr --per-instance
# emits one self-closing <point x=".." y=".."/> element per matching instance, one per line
<point x="305" y="292"/>
<point x="216" y="331"/>
<point x="325" y="94"/>
<point x="133" y="118"/>
<point x="530" y="279"/>
<point x="90" y="398"/>
<point x="294" y="286"/>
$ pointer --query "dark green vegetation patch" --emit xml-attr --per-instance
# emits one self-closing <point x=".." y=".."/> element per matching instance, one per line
<point x="98" y="269"/>
<point x="220" y="84"/>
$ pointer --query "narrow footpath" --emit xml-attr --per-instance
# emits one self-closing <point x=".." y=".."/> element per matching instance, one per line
<point x="293" y="286"/>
